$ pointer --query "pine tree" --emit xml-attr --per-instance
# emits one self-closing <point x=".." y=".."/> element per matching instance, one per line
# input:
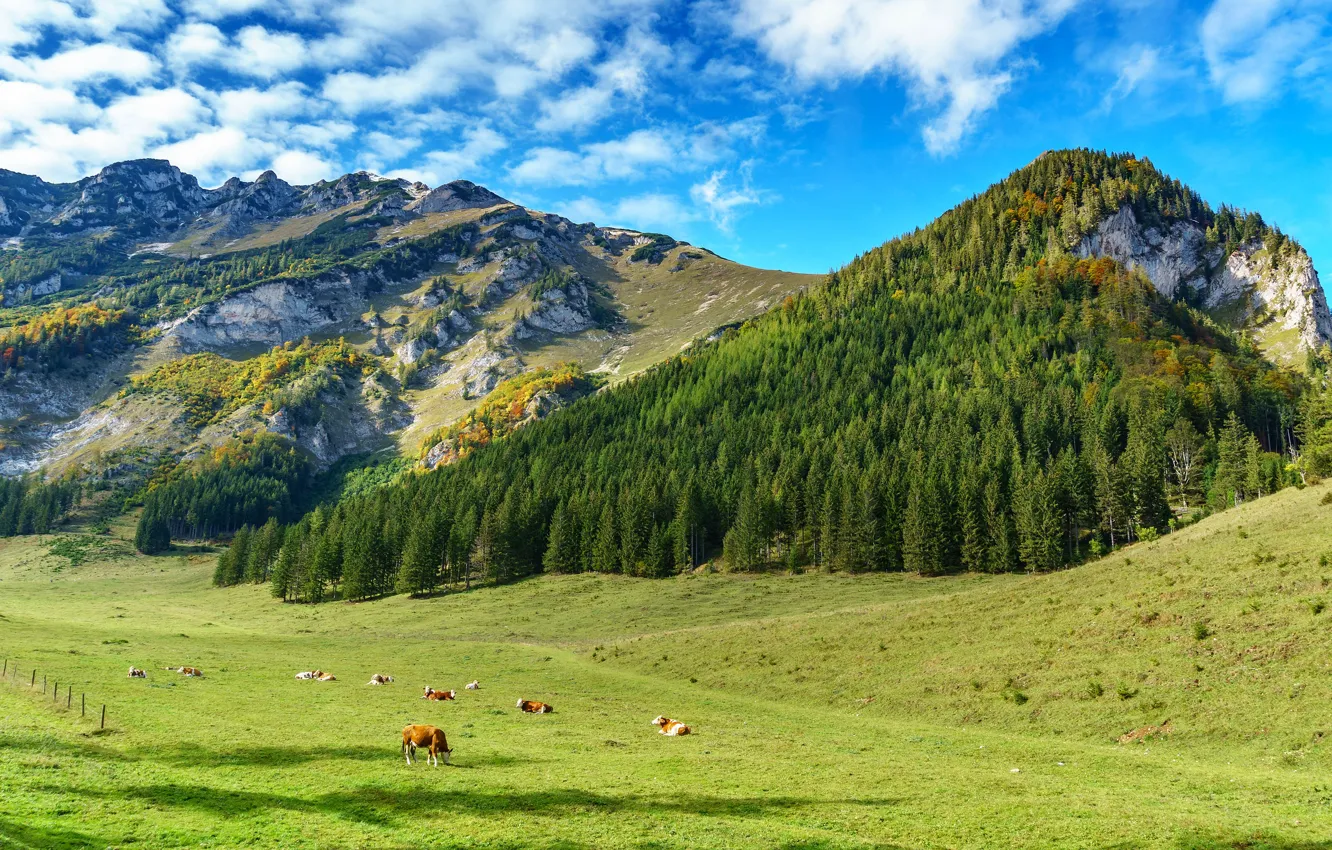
<point x="263" y="550"/>
<point x="606" y="550"/>
<point x="419" y="573"/>
<point x="238" y="556"/>
<point x="1228" y="479"/>
<point x="151" y="535"/>
<point x="562" y="550"/>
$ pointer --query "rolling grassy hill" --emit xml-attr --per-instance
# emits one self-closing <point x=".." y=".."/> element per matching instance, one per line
<point x="831" y="711"/>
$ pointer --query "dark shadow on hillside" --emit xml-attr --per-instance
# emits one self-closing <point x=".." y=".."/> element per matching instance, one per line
<point x="385" y="807"/>
<point x="26" y="835"/>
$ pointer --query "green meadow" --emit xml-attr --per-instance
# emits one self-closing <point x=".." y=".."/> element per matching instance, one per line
<point x="829" y="711"/>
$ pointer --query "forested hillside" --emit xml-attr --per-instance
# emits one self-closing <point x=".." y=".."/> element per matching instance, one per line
<point x="971" y="396"/>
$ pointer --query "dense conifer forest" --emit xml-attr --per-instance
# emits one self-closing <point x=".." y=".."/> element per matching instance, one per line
<point x="970" y="396"/>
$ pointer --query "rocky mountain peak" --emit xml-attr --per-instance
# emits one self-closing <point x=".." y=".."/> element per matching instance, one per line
<point x="458" y="195"/>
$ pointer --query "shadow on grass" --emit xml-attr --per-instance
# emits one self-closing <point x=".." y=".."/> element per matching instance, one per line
<point x="193" y="755"/>
<point x="1256" y="841"/>
<point x="13" y="834"/>
<point x="384" y="807"/>
<point x="48" y="745"/>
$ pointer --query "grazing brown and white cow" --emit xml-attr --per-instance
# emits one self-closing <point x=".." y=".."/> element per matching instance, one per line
<point x="534" y="707"/>
<point x="186" y="671"/>
<point x="474" y="685"/>
<point x="326" y="677"/>
<point x="416" y="735"/>
<point x="673" y="728"/>
<point x="431" y="693"/>
<point x="310" y="674"/>
<point x="136" y="673"/>
<point x="379" y="679"/>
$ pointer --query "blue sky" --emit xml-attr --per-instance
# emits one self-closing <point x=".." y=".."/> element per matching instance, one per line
<point x="782" y="133"/>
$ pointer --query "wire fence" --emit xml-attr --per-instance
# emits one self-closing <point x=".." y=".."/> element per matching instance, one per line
<point x="10" y="672"/>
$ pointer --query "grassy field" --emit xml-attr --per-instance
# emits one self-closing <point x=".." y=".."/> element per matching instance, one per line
<point x="830" y="711"/>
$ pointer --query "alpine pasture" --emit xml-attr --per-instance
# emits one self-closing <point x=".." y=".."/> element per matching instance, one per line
<point x="828" y="711"/>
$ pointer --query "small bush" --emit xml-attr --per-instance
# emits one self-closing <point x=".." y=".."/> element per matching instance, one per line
<point x="1317" y="606"/>
<point x="1201" y="631"/>
<point x="1326" y="500"/>
<point x="1094" y="689"/>
<point x="1125" y="692"/>
<point x="1015" y="696"/>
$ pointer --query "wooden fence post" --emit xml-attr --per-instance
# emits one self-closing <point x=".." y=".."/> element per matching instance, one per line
<point x="43" y="684"/>
<point x="83" y="705"/>
<point x="103" y="715"/>
<point x="33" y="683"/>
<point x="69" y="697"/>
<point x="6" y="670"/>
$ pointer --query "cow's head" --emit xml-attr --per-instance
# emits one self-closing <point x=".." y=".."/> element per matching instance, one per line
<point x="661" y="720"/>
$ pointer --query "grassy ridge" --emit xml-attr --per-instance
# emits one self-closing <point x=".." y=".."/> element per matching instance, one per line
<point x="786" y="755"/>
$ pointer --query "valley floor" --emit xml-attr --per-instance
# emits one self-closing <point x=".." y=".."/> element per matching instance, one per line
<point x="830" y="711"/>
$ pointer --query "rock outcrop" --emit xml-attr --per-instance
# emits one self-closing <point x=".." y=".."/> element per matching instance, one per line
<point x="1261" y="291"/>
<point x="272" y="313"/>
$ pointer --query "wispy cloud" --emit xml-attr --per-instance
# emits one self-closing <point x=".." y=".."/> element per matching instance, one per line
<point x="1254" y="47"/>
<point x="951" y="54"/>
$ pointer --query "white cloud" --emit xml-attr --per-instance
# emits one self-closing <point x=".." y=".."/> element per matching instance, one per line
<point x="650" y="211"/>
<point x="253" y="107"/>
<point x="949" y="51"/>
<point x="252" y="52"/>
<point x="22" y="21"/>
<point x="216" y="10"/>
<point x="626" y="157"/>
<point x="107" y="16"/>
<point x="1252" y="46"/>
<point x="261" y="53"/>
<point x="635" y="155"/>
<point x="720" y="201"/>
<point x="195" y="44"/>
<point x="29" y="105"/>
<point x="554" y="167"/>
<point x="1140" y="65"/>
<point x="479" y="144"/>
<point x="623" y="74"/>
<point x="83" y="64"/>
<point x="302" y="167"/>
<point x="214" y="155"/>
<point x="580" y="107"/>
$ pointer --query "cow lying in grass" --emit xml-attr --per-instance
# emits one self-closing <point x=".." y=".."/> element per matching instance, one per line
<point x="673" y="728"/>
<point x="326" y="677"/>
<point x="474" y="685"/>
<point x="310" y="674"/>
<point x="534" y="707"/>
<point x="431" y="693"/>
<point x="379" y="679"/>
<point x="186" y="671"/>
<point x="415" y="735"/>
<point x="136" y="673"/>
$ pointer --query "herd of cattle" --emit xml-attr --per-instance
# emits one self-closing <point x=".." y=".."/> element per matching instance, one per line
<point x="424" y="736"/>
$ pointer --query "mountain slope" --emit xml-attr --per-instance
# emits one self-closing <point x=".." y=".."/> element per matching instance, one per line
<point x="443" y="293"/>
<point x="970" y="396"/>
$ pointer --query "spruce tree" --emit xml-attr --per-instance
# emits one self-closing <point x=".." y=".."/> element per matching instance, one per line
<point x="151" y="535"/>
